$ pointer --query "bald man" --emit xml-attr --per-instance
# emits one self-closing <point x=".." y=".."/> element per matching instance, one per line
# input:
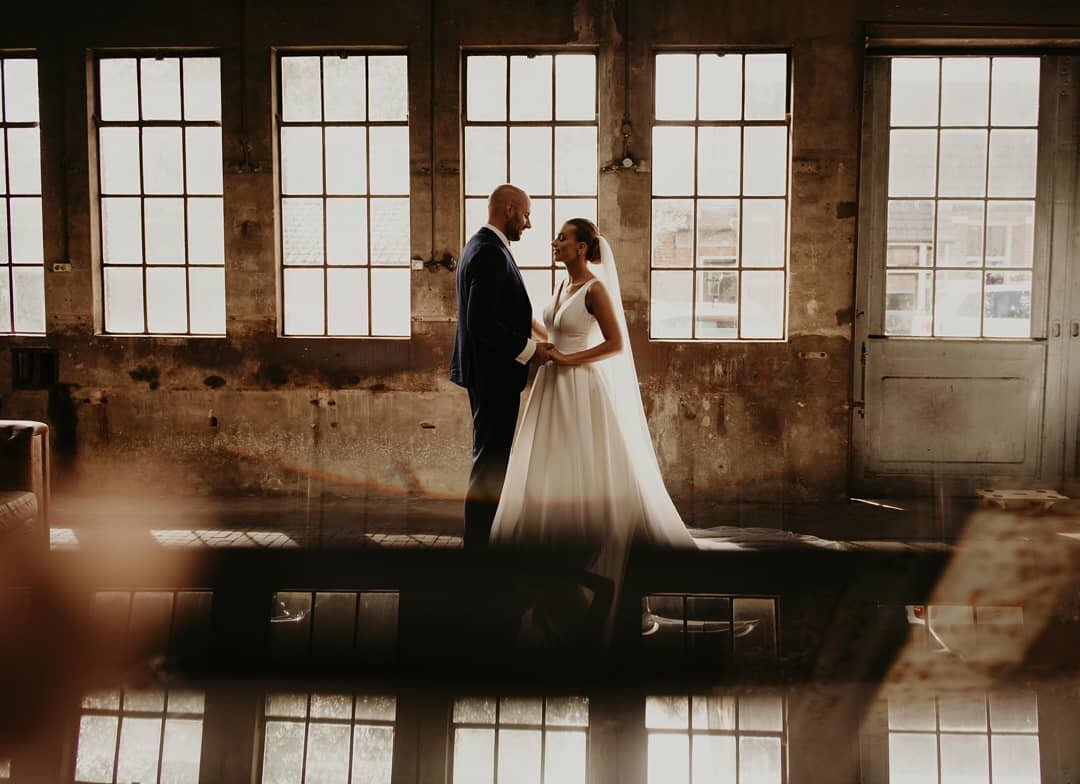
<point x="492" y="351"/>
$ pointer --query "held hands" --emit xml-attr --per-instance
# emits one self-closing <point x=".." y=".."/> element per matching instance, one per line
<point x="546" y="352"/>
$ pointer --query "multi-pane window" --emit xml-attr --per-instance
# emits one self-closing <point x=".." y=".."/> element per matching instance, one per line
<point x="698" y="739"/>
<point x="150" y="736"/>
<point x="311" y="738"/>
<point x="520" y="739"/>
<point x="960" y="234"/>
<point x="363" y="623"/>
<point x="344" y="141"/>
<point x="173" y="623"/>
<point x="709" y="629"/>
<point x="160" y="180"/>
<point x="720" y="196"/>
<point x="531" y="120"/>
<point x="962" y="737"/>
<point x="22" y="270"/>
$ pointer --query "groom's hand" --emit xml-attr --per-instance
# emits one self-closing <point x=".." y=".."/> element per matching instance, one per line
<point x="543" y="352"/>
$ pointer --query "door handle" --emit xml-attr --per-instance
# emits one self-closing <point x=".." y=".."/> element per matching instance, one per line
<point x="1074" y="329"/>
<point x="1055" y="329"/>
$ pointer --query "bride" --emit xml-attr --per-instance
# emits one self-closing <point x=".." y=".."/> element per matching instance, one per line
<point x="583" y="482"/>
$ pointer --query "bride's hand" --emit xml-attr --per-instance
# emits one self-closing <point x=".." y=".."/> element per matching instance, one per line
<point x="559" y="358"/>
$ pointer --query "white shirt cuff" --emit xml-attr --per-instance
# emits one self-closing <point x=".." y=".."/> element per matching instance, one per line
<point x="527" y="352"/>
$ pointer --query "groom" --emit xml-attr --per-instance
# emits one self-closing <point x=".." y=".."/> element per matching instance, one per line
<point x="492" y="351"/>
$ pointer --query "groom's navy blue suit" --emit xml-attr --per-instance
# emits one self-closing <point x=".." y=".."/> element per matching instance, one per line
<point x="494" y="324"/>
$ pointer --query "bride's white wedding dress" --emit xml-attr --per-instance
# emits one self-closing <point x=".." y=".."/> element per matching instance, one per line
<point x="582" y="483"/>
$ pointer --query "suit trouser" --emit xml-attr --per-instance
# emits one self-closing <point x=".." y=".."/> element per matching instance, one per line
<point x="494" y="413"/>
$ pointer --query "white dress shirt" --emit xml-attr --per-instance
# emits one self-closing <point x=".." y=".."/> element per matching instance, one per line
<point x="530" y="344"/>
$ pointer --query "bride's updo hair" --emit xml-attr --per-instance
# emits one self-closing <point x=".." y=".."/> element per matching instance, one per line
<point x="585" y="231"/>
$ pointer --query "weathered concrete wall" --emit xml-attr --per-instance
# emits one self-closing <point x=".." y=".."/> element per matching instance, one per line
<point x="253" y="412"/>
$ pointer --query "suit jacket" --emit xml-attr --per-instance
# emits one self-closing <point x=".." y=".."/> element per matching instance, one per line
<point x="494" y="317"/>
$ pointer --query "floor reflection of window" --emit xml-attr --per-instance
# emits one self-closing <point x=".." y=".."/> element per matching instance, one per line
<point x="5" y="768"/>
<point x="145" y="736"/>
<point x="520" y="740"/>
<point x="333" y="623"/>
<point x="311" y="738"/>
<point x="973" y="739"/>
<point x="700" y="739"/>
<point x="713" y="628"/>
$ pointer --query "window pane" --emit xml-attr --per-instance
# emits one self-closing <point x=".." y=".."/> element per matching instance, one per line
<point x="302" y="229"/>
<point x="530" y="87"/>
<point x="719" y="157"/>
<point x="166" y="300"/>
<point x="1010" y="233"/>
<point x="762" y="305"/>
<point x="387" y="85"/>
<point x="713" y="713"/>
<point x="721" y="87"/>
<point x="763" y="227"/>
<point x="202" y="88"/>
<point x="293" y="705"/>
<point x="303" y="301"/>
<point x="346" y="160"/>
<point x="204" y="165"/>
<point x="956" y="311"/>
<point x="575" y="161"/>
<point x="676" y="87"/>
<point x="965" y="90"/>
<point x="914" y="94"/>
<point x="714" y="759"/>
<point x="151" y="614"/>
<point x="474" y="710"/>
<point x="521" y="710"/>
<point x="390" y="231"/>
<point x="21" y="90"/>
<point x="206" y="231"/>
<point x="718" y="232"/>
<point x="672" y="232"/>
<point x="961" y="712"/>
<point x="119" y="89"/>
<point x="373" y="755"/>
<point x="376" y="633"/>
<point x="3" y="168"/>
<point x="534" y="249"/>
<point x="962" y="166"/>
<point x="757" y="646"/>
<point x="667" y="712"/>
<point x="160" y="88"/>
<point x="164" y="231"/>
<point x="344" y="88"/>
<point x="575" y="87"/>
<point x="97" y="745"/>
<point x="485" y="160"/>
<point x="328" y="754"/>
<point x="390" y="302"/>
<point x="162" y="160"/>
<point x="138" y="759"/>
<point x="669" y="758"/>
<point x="912" y="758"/>
<point x="1007" y="304"/>
<point x="909" y="298"/>
<point x="960" y="233"/>
<point x="766" y="86"/>
<point x="123" y="299"/>
<point x="346" y="231"/>
<point x="1015" y="759"/>
<point x="474" y="756"/>
<point x="347" y="314"/>
<point x="1014" y="98"/>
<point x="910" y="240"/>
<point x="567" y="711"/>
<point x="300" y="93"/>
<point x="673" y="161"/>
<point x="717" y="304"/>
<point x="390" y="160"/>
<point x="539" y="285"/>
<point x="301" y="160"/>
<point x="1012" y="163"/>
<point x="564" y="758"/>
<point x="759" y="760"/>
<point x="119" y="164"/>
<point x="486" y="88"/>
<point x="476" y="215"/>
<point x="183" y="750"/>
<point x="5" y="302"/>
<point x="565" y="209"/>
<point x="24" y="160"/>
<point x="530" y="160"/>
<point x="912" y="161"/>
<point x="761" y="713"/>
<point x="27" y="244"/>
<point x="1013" y="712"/>
<point x="283" y="752"/>
<point x="519" y="756"/>
<point x="29" y="299"/>
<point x="207" y="301"/>
<point x="765" y="160"/>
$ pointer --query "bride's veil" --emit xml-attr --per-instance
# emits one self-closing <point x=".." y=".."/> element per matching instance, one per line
<point x="664" y="527"/>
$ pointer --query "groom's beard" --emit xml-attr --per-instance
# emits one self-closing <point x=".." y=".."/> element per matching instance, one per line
<point x="513" y="233"/>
